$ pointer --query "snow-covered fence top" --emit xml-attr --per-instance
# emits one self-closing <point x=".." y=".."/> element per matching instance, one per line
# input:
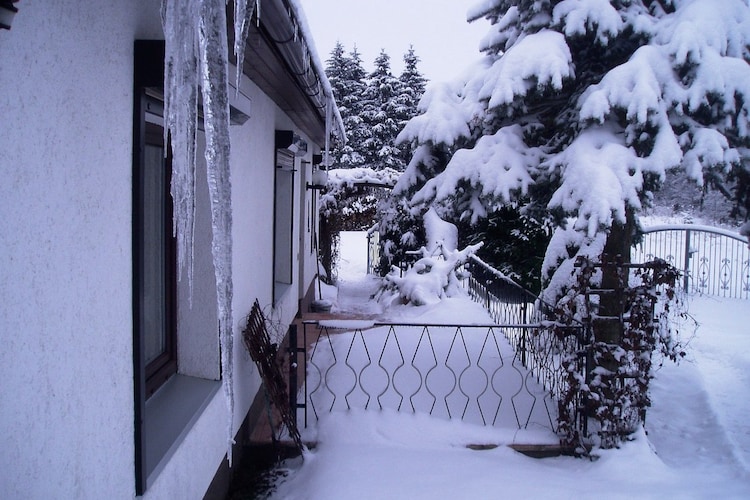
<point x="714" y="261"/>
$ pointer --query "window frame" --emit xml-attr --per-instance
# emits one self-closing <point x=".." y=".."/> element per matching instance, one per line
<point x="164" y="414"/>
<point x="148" y="82"/>
<point x="161" y="368"/>
<point x="283" y="222"/>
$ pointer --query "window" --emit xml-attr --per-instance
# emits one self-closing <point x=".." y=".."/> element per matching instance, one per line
<point x="283" y="222"/>
<point x="156" y="274"/>
<point x="176" y="365"/>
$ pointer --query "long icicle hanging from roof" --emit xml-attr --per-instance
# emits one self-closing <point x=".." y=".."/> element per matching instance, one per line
<point x="243" y="13"/>
<point x="196" y="57"/>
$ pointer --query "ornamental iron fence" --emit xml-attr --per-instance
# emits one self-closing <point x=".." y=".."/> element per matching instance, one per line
<point x="506" y="374"/>
<point x="468" y="372"/>
<point x="713" y="261"/>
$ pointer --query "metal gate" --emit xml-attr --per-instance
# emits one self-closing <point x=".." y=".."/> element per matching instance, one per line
<point x="714" y="261"/>
<point x="469" y="372"/>
<point x="505" y="374"/>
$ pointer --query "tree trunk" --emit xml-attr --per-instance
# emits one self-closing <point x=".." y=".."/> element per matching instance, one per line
<point x="615" y="278"/>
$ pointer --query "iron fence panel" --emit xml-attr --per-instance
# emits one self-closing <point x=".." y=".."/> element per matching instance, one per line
<point x="713" y="261"/>
<point x="467" y="372"/>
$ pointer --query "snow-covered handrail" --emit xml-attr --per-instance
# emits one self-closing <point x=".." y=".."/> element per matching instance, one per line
<point x="713" y="260"/>
<point x="495" y="272"/>
<point x="483" y="282"/>
<point x="694" y="227"/>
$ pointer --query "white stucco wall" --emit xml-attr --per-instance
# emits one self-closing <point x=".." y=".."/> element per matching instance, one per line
<point x="66" y="361"/>
<point x="66" y="403"/>
<point x="253" y="216"/>
<point x="252" y="219"/>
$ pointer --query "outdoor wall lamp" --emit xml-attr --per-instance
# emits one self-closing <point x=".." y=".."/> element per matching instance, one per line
<point x="319" y="179"/>
<point x="7" y="13"/>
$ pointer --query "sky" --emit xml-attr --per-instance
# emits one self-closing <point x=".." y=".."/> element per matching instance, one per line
<point x="443" y="40"/>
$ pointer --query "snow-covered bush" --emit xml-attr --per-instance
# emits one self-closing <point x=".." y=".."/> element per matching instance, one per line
<point x="433" y="277"/>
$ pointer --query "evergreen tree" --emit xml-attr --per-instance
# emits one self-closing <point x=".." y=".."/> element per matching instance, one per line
<point x="380" y="113"/>
<point x="578" y="109"/>
<point x="412" y="88"/>
<point x="347" y="77"/>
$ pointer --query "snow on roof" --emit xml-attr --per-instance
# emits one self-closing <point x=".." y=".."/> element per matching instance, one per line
<point x="297" y="13"/>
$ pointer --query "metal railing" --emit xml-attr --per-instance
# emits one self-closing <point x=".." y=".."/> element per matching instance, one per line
<point x="373" y="249"/>
<point x="539" y="347"/>
<point x="505" y="374"/>
<point x="469" y="372"/>
<point x="714" y="261"/>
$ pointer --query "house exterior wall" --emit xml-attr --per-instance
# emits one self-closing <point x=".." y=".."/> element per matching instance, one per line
<point x="66" y="417"/>
<point x="66" y="316"/>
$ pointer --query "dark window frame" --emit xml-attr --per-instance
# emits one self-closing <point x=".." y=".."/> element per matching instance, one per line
<point x="283" y="230"/>
<point x="148" y="82"/>
<point x="158" y="370"/>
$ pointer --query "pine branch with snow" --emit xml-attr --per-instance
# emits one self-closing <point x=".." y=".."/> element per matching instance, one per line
<point x="578" y="108"/>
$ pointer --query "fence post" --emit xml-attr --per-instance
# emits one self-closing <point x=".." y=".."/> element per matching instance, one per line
<point x="369" y="253"/>
<point x="688" y="255"/>
<point x="293" y="351"/>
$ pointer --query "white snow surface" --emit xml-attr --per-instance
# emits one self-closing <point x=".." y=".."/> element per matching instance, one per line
<point x="350" y="177"/>
<point x="444" y="116"/>
<point x="497" y="166"/>
<point x="439" y="232"/>
<point x="596" y="158"/>
<point x="696" y="442"/>
<point x="582" y="16"/>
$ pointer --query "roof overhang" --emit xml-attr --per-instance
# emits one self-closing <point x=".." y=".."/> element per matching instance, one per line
<point x="281" y="62"/>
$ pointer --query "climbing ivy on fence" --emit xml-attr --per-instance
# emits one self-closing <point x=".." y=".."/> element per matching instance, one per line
<point x="607" y="391"/>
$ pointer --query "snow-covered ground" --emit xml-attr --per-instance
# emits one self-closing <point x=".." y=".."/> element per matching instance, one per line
<point x="696" y="442"/>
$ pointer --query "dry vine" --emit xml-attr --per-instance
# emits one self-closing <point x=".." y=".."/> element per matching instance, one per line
<point x="608" y="383"/>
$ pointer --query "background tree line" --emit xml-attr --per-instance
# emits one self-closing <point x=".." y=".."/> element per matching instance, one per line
<point x="374" y="106"/>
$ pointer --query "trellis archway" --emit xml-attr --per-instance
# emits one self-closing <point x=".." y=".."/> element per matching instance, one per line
<point x="337" y="213"/>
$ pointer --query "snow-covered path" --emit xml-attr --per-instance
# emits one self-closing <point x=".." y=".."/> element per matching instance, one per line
<point x="700" y="407"/>
<point x="698" y="443"/>
<point x="353" y="294"/>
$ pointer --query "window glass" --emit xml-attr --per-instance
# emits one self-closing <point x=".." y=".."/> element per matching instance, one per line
<point x="155" y="323"/>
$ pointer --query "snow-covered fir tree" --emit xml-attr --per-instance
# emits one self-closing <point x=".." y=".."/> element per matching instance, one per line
<point x="347" y="76"/>
<point x="574" y="115"/>
<point x="381" y="112"/>
<point x="374" y="108"/>
<point x="411" y="90"/>
<point x="579" y="108"/>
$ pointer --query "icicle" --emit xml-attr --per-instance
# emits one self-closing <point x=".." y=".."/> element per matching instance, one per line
<point x="257" y="8"/>
<point x="212" y="38"/>
<point x="196" y="52"/>
<point x="243" y="13"/>
<point x="181" y="118"/>
<point x="329" y="113"/>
